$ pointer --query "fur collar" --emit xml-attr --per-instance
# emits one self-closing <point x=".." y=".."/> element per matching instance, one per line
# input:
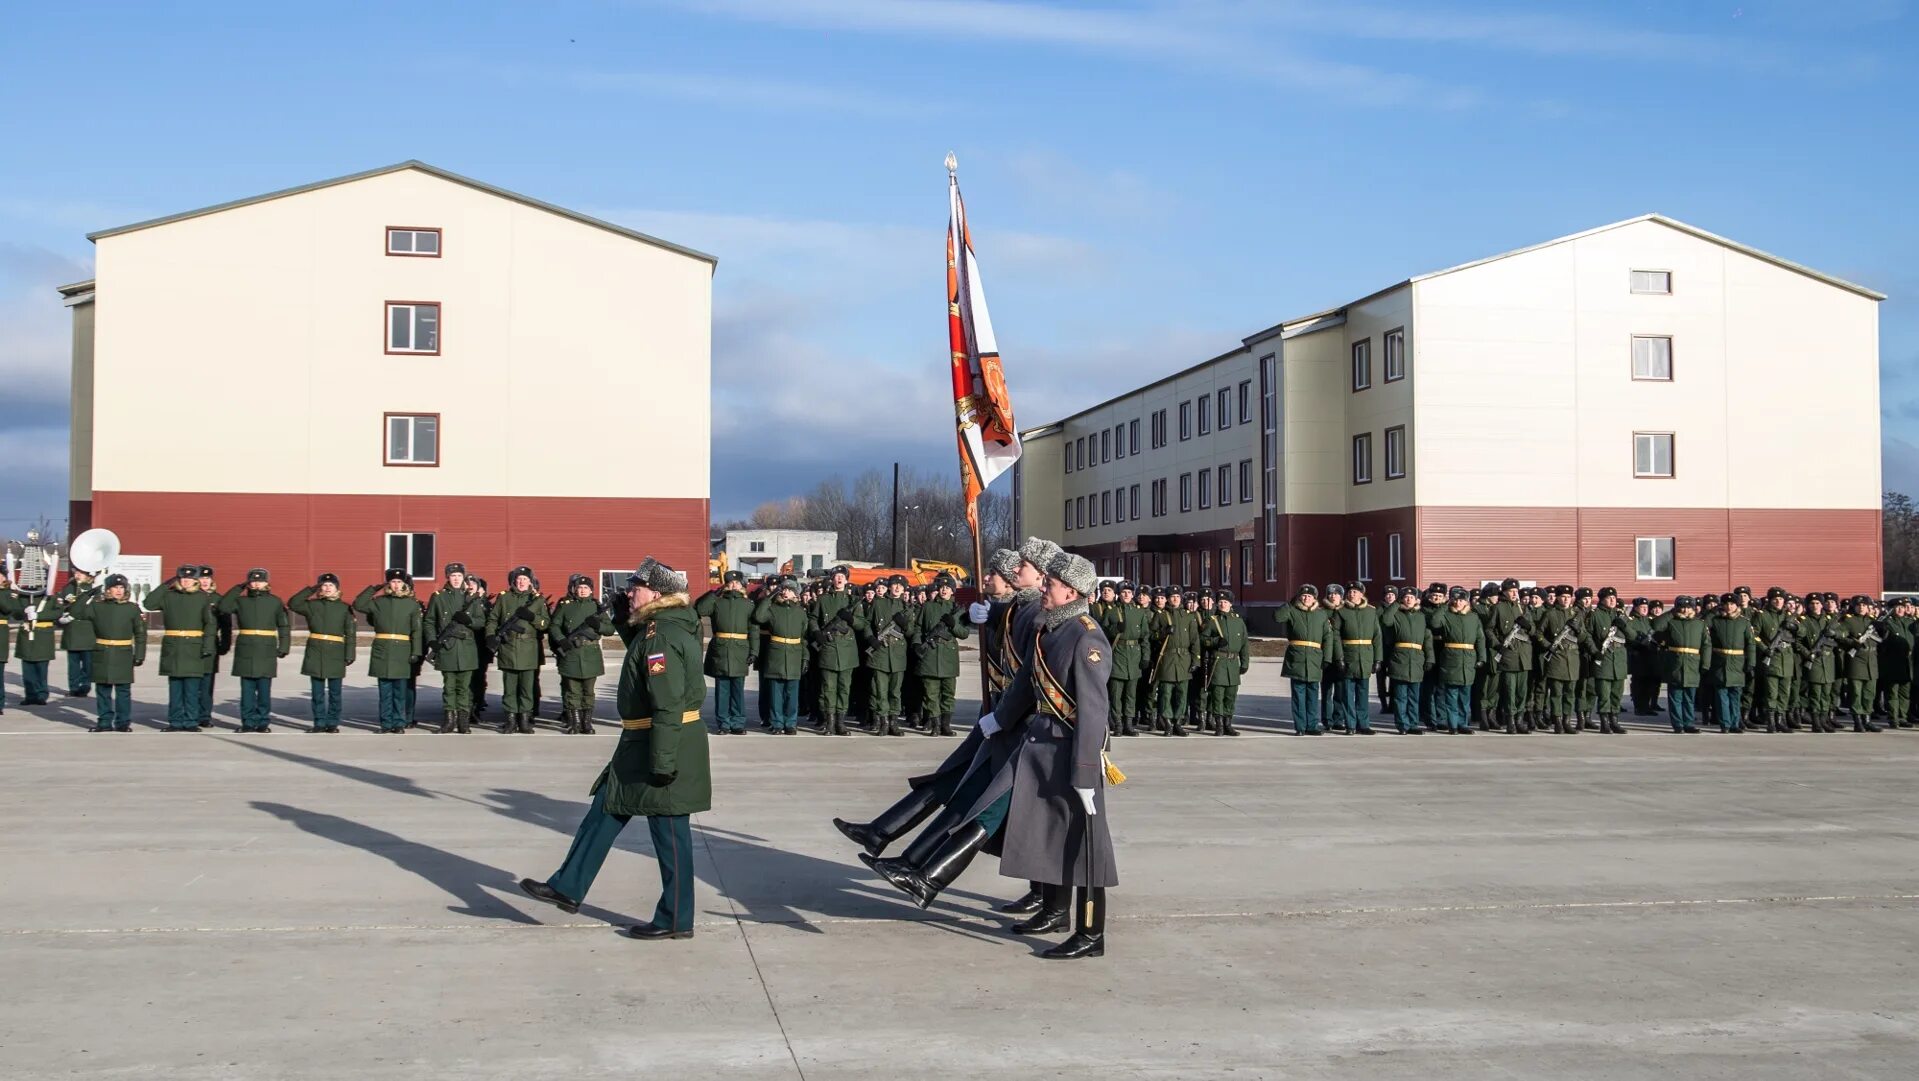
<point x="647" y="611"/>
<point x="1072" y="609"/>
<point x="1025" y="596"/>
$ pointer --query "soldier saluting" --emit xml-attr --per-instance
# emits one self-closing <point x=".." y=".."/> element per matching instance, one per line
<point x="262" y="635"/>
<point x="187" y="648"/>
<point x="332" y="643"/>
<point x="398" y="641"/>
<point x="119" y="647"/>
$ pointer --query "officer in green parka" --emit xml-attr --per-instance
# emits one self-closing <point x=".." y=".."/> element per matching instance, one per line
<point x="782" y="621"/>
<point x="659" y="767"/>
<point x="37" y="642"/>
<point x="1225" y="634"/>
<point x="731" y="651"/>
<point x="1459" y="643"/>
<point x="578" y="624"/>
<point x="513" y="629"/>
<point x="1407" y="636"/>
<point x="398" y="641"/>
<point x="937" y="629"/>
<point x="1683" y="639"/>
<point x="187" y="645"/>
<point x="1733" y="652"/>
<point x="333" y="638"/>
<point x="119" y="646"/>
<point x="262" y="634"/>
<point x="452" y="624"/>
<point x="1357" y="624"/>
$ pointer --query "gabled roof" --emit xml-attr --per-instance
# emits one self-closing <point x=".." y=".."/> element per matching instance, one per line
<point x="1670" y="223"/>
<point x="430" y="170"/>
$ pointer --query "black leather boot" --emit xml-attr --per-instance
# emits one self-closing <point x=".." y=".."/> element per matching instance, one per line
<point x="1226" y="725"/>
<point x="586" y="721"/>
<point x="570" y="722"/>
<point x="946" y="724"/>
<point x="463" y="724"/>
<point x="1049" y="912"/>
<point x="923" y="884"/>
<point x="447" y="724"/>
<point x="540" y="891"/>
<point x="892" y="823"/>
<point x="1127" y="727"/>
<point x="509" y="722"/>
<point x="1089" y="928"/>
<point x="1027" y="903"/>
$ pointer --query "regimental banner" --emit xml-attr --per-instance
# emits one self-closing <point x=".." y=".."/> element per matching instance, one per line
<point x="982" y="405"/>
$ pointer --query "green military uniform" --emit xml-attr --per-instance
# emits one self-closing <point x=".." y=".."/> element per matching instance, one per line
<point x="1407" y="639"/>
<point x="1682" y="641"/>
<point x="1642" y="664"/>
<point x="1311" y="644"/>
<point x="1603" y="642"/>
<point x="1731" y="663"/>
<point x="660" y="765"/>
<point x="118" y="641"/>
<point x="222" y="645"/>
<point x="1175" y="639"/>
<point x="1774" y="634"/>
<point x="1509" y="636"/>
<point x="1556" y="637"/>
<point x="1860" y="635"/>
<point x="37" y="643"/>
<point x="13" y="604"/>
<point x="333" y="639"/>
<point x="834" y="623"/>
<point x="513" y="630"/>
<point x="262" y="634"/>
<point x="1895" y="667"/>
<point x="399" y="639"/>
<point x="1459" y="641"/>
<point x="187" y="648"/>
<point x="486" y="655"/>
<point x="889" y="621"/>
<point x="452" y="624"/>
<point x="783" y="655"/>
<point x="1127" y="627"/>
<point x="936" y="634"/>
<point x="76" y="636"/>
<point x="1818" y="650"/>
<point x="1486" y="681"/>
<point x="1360" y="647"/>
<point x="578" y="625"/>
<point x="1224" y="633"/>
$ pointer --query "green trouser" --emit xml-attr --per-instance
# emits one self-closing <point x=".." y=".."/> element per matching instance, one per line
<point x="256" y="702"/>
<point x="1898" y="700"/>
<point x="729" y="703"/>
<point x="33" y="680"/>
<point x="477" y="697"/>
<point x="456" y="691"/>
<point x="1172" y="700"/>
<point x="1121" y="698"/>
<point x="1775" y="691"/>
<point x="516" y="690"/>
<point x="1560" y="696"/>
<point x="1223" y="698"/>
<point x="577" y="692"/>
<point x="936" y="695"/>
<point x="1862" y="693"/>
<point x="1586" y="698"/>
<point x="835" y="691"/>
<point x="1607" y="694"/>
<point x="206" y="698"/>
<point x="883" y="693"/>
<point x="1514" y="689"/>
<point x="1820" y="697"/>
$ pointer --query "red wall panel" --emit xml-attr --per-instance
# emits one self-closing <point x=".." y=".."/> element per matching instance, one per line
<point x="1840" y="550"/>
<point x="1466" y="545"/>
<point x="299" y="536"/>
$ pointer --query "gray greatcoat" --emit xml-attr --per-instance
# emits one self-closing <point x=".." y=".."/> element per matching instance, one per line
<point x="1047" y="754"/>
<point x="1015" y="612"/>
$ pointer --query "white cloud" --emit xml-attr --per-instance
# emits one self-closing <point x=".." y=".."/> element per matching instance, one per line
<point x="1060" y="183"/>
<point x="748" y="92"/>
<point x="35" y="328"/>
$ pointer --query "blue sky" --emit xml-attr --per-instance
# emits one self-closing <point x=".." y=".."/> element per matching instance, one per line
<point x="1148" y="180"/>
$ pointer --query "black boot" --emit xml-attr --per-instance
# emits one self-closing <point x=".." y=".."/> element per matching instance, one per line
<point x="1049" y="912"/>
<point x="1175" y="727"/>
<point x="1862" y="722"/>
<point x="509" y="722"/>
<point x="924" y="883"/>
<point x="566" y="722"/>
<point x="526" y="723"/>
<point x="946" y="724"/>
<point x="463" y="722"/>
<point x="586" y="721"/>
<point x="1089" y="928"/>
<point x="892" y="823"/>
<point x="447" y="723"/>
<point x="1127" y="727"/>
<point x="1027" y="903"/>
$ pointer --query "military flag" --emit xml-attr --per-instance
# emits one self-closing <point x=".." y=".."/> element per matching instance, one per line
<point x="983" y="407"/>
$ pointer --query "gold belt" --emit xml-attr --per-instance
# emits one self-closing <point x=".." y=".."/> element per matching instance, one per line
<point x="1730" y="652"/>
<point x="1412" y="645"/>
<point x="788" y="641"/>
<point x="43" y="625"/>
<point x="1355" y="641"/>
<point x="113" y="641"/>
<point x="728" y="634"/>
<point x="184" y="634"/>
<point x="395" y="637"/>
<point x="1304" y="645"/>
<point x="269" y="634"/>
<point x="690" y="717"/>
<point x="340" y="638"/>
<point x="1461" y="645"/>
<point x="1681" y="649"/>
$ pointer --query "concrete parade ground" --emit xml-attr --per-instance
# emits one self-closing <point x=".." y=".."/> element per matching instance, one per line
<point x="291" y="906"/>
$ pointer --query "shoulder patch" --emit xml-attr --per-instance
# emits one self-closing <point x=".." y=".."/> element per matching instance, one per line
<point x="1087" y="622"/>
<point x="1093" y="655"/>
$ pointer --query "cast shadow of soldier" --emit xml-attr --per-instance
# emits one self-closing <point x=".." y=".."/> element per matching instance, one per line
<point x="771" y="885"/>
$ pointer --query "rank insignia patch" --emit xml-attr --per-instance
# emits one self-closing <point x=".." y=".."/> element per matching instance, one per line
<point x="655" y="663"/>
<point x="1093" y="655"/>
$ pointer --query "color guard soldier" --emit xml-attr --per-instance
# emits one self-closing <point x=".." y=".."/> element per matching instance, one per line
<point x="993" y="614"/>
<point x="37" y="642"/>
<point x="119" y="645"/>
<point x="1311" y="643"/>
<point x="262" y="635"/>
<point x="513" y="631"/>
<point x="76" y="634"/>
<point x="1459" y="639"/>
<point x="731" y="651"/>
<point x="936" y="633"/>
<point x="1605" y="636"/>
<point x="835" y="623"/>
<point x="782" y="618"/>
<point x="332" y="645"/>
<point x="1408" y="639"/>
<point x="579" y="623"/>
<point x="187" y="648"/>
<point x="1683" y="639"/>
<point x="399" y="640"/>
<point x="1225" y="637"/>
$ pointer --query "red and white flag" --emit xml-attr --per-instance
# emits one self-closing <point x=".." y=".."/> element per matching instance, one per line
<point x="988" y="442"/>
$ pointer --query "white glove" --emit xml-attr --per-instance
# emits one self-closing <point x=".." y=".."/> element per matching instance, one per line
<point x="988" y="724"/>
<point x="1086" y="801"/>
<point x="978" y="612"/>
<point x="64" y="620"/>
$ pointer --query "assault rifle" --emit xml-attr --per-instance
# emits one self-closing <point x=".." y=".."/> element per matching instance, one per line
<point x="513" y="623"/>
<point x="458" y="627"/>
<point x="889" y="634"/>
<point x="1613" y="638"/>
<point x="1780" y="641"/>
<point x="1520" y="629"/>
<point x="1873" y="636"/>
<point x="1565" y="635"/>
<point x="591" y="629"/>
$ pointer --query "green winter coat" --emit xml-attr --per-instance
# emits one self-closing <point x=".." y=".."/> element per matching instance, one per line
<point x="191" y="634"/>
<point x="835" y="622"/>
<point x="1684" y="643"/>
<point x="1175" y="644"/>
<point x="1818" y="647"/>
<point x="398" y="632"/>
<point x="1734" y="651"/>
<point x="1127" y="628"/>
<point x="660" y="766"/>
<point x="886" y="652"/>
<point x="1895" y="653"/>
<point x="785" y="646"/>
<point x="1312" y="643"/>
<point x="333" y="634"/>
<point x="1360" y="644"/>
<point x="1408" y="641"/>
<point x="731" y="650"/>
<point x="12" y="605"/>
<point x="1556" y="639"/>
<point x="1859" y="634"/>
<point x="936" y="634"/>
<point x="579" y="619"/>
<point x="1770" y="629"/>
<point x="1459" y="644"/>
<point x="1225" y="634"/>
<point x="457" y="619"/>
<point x="77" y="636"/>
<point x="262" y="633"/>
<point x="120" y="638"/>
<point x="38" y="638"/>
<point x="1509" y="636"/>
<point x="515" y="638"/>
<point x="1605" y="659"/>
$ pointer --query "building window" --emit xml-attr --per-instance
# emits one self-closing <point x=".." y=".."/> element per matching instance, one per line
<point x="1106" y="508"/>
<point x="1246" y="401"/>
<point x="1226" y="566"/>
<point x="1396" y="452"/>
<point x="419" y="243"/>
<point x="1079" y="512"/>
<point x="1068" y="457"/>
<point x="1225" y="485"/>
<point x="1652" y="281"/>
<point x="1393" y="346"/>
<point x="1132" y="500"/>
<point x="1185" y="570"/>
<point x="1185" y="421"/>
<point x="1245" y="480"/>
<point x="1205" y="414"/>
<point x="413" y="326"/>
<point x="756" y="546"/>
<point x="411" y="552"/>
<point x="1363" y="558"/>
<point x="1185" y="492"/>
<point x="1079" y="453"/>
<point x="1245" y="564"/>
<point x="1132" y="435"/>
<point x="1362" y="364"/>
<point x="1068" y="514"/>
<point x="1652" y="359"/>
<point x="1652" y="454"/>
<point x="1119" y="440"/>
<point x="1159" y="429"/>
<point x="1205" y="489"/>
<point x="1395" y="561"/>
<point x="1105" y="446"/>
<point x="1206" y="567"/>
<point x="412" y="438"/>
<point x="1159" y="498"/>
<point x="1225" y="410"/>
<point x="1653" y="558"/>
<point x="1363" y="458"/>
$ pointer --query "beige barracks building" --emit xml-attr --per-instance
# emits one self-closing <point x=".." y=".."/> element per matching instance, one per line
<point x="1644" y="405"/>
<point x="399" y="367"/>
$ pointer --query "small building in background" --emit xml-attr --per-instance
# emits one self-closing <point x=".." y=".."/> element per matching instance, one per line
<point x="765" y="551"/>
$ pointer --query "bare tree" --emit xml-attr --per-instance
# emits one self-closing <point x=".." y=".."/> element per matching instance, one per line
<point x="932" y="516"/>
<point x="1901" y="521"/>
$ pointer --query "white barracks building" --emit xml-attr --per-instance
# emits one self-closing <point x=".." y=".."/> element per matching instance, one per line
<point x="1643" y="405"/>
<point x="400" y="367"/>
